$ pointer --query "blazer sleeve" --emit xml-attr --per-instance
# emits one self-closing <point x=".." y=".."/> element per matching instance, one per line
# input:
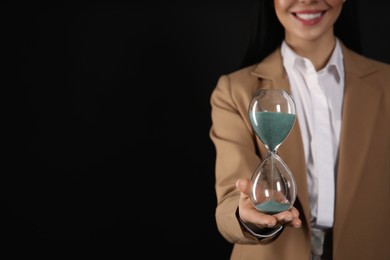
<point x="236" y="149"/>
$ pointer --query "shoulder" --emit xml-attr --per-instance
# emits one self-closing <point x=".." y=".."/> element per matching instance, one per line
<point x="236" y="86"/>
<point x="242" y="76"/>
<point x="239" y="86"/>
<point x="368" y="71"/>
<point x="267" y="69"/>
<point x="364" y="66"/>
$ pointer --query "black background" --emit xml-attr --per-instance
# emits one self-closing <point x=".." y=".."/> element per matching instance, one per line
<point x="109" y="116"/>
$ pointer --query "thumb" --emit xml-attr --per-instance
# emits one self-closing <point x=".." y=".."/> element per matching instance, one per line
<point x="244" y="186"/>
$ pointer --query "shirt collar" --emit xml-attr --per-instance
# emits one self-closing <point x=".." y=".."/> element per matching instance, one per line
<point x="293" y="61"/>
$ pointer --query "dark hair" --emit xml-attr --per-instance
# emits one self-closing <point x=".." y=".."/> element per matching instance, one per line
<point x="347" y="27"/>
<point x="268" y="33"/>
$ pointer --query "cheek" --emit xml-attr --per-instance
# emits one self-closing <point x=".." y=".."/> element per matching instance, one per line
<point x="336" y="7"/>
<point x="282" y="7"/>
<point x="335" y="3"/>
<point x="282" y="4"/>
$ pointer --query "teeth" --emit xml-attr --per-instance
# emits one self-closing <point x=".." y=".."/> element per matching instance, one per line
<point x="309" y="16"/>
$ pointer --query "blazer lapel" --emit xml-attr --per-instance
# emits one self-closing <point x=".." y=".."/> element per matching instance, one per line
<point x="358" y="125"/>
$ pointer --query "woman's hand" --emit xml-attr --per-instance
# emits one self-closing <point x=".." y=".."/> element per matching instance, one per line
<point x="249" y="214"/>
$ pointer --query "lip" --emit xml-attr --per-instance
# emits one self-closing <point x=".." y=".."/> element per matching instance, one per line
<point x="309" y="17"/>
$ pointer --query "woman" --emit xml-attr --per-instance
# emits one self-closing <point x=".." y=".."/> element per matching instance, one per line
<point x="338" y="150"/>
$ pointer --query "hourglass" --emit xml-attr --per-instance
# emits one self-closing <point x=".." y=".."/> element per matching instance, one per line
<point x="272" y="115"/>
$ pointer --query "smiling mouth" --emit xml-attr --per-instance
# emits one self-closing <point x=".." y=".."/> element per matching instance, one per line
<point x="308" y="16"/>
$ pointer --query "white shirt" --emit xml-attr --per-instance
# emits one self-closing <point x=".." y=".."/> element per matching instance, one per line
<point x="318" y="97"/>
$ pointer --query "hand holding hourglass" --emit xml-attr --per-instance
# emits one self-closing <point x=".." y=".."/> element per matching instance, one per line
<point x="272" y="115"/>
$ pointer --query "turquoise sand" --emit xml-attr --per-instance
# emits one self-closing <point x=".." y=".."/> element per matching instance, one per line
<point x="272" y="207"/>
<point x="272" y="127"/>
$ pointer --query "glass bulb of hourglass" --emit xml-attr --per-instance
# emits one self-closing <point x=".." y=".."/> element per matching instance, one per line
<point x="272" y="115"/>
<point x="273" y="186"/>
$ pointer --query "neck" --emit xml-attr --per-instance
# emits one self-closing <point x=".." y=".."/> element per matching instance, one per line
<point x="317" y="51"/>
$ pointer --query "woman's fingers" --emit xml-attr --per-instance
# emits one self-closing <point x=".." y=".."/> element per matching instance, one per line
<point x="290" y="218"/>
<point x="248" y="212"/>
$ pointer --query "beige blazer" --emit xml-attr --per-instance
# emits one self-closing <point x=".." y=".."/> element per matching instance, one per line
<point x="362" y="213"/>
